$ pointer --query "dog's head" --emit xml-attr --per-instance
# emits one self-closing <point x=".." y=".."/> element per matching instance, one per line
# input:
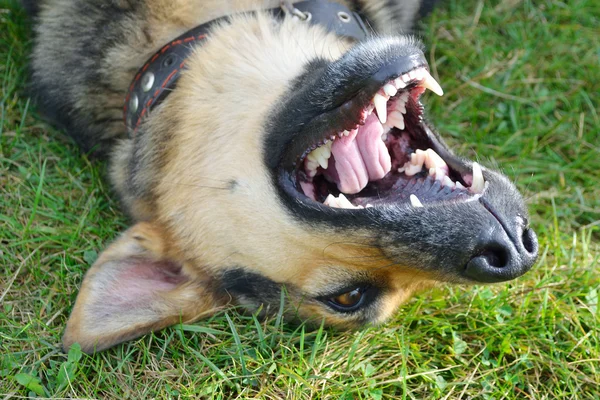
<point x="290" y="157"/>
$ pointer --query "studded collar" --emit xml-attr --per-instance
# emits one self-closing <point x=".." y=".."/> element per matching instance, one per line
<point x="154" y="81"/>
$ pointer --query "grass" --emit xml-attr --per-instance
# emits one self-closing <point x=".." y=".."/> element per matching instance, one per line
<point x="522" y="80"/>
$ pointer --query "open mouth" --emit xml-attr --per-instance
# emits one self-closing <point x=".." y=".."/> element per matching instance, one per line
<point x="386" y="154"/>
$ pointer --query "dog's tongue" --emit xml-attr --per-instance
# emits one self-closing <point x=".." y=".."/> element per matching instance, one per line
<point x="359" y="157"/>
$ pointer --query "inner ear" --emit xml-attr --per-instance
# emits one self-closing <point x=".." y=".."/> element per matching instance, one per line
<point x="137" y="286"/>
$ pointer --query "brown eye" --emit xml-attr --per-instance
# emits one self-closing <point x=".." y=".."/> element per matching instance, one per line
<point x="349" y="299"/>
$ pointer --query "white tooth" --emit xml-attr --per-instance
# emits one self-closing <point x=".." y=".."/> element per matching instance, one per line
<point x="331" y="201"/>
<point x="401" y="103"/>
<point x="399" y="83"/>
<point x="312" y="156"/>
<point x="402" y="169"/>
<point x="369" y="206"/>
<point x="344" y="202"/>
<point x="323" y="162"/>
<point x="384" y="136"/>
<point x="439" y="174"/>
<point x="311" y="168"/>
<point x="420" y="73"/>
<point x="319" y="156"/>
<point x="448" y="182"/>
<point x="326" y="149"/>
<point x="420" y="158"/>
<point x="410" y="169"/>
<point x="433" y="159"/>
<point x="345" y="133"/>
<point x="381" y="107"/>
<point x="432" y="171"/>
<point x="323" y="156"/>
<point x="414" y="200"/>
<point x="430" y="83"/>
<point x="389" y="89"/>
<point x="459" y="185"/>
<point x="412" y="75"/>
<point x="478" y="182"/>
<point x="405" y="78"/>
<point x="397" y="119"/>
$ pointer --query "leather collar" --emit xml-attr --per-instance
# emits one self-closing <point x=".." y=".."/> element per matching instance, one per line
<point x="154" y="81"/>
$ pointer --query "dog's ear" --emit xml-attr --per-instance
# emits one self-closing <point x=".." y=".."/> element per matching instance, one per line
<point x="134" y="288"/>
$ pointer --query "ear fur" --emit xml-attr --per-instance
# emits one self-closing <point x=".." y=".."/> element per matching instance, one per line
<point x="136" y="287"/>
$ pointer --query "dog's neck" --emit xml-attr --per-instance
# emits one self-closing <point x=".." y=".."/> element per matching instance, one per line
<point x="158" y="76"/>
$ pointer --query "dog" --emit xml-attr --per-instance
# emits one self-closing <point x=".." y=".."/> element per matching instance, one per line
<point x="266" y="147"/>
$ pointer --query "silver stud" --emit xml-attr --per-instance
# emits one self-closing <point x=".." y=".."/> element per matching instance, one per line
<point x="344" y="17"/>
<point x="147" y="81"/>
<point x="133" y="103"/>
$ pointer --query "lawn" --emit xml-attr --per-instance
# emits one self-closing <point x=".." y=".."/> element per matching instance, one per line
<point x="522" y="82"/>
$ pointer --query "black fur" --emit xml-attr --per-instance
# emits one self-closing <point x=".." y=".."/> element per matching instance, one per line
<point x="447" y="238"/>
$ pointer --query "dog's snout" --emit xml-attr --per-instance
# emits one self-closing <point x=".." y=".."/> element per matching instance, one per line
<point x="498" y="258"/>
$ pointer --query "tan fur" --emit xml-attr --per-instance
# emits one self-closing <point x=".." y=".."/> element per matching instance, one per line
<point x="202" y="173"/>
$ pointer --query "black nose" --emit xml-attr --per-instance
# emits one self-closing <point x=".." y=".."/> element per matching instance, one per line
<point x="502" y="256"/>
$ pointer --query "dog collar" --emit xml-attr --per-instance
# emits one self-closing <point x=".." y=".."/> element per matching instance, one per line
<point x="154" y="81"/>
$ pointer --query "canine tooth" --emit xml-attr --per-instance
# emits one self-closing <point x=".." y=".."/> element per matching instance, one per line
<point x="478" y="182"/>
<point x="430" y="83"/>
<point x="414" y="200"/>
<point x="459" y="185"/>
<point x="399" y="83"/>
<point x="389" y="89"/>
<point x="381" y="107"/>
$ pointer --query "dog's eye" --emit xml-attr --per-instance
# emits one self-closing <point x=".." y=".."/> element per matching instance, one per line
<point x="348" y="301"/>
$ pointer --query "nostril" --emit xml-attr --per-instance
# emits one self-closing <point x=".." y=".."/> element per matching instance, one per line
<point x="491" y="264"/>
<point x="496" y="258"/>
<point x="529" y="240"/>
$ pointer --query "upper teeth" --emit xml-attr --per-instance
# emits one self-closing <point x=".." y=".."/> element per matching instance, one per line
<point x="319" y="156"/>
<point x="390" y="89"/>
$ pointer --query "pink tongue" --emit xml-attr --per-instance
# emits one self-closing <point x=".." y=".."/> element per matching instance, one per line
<point x="359" y="158"/>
